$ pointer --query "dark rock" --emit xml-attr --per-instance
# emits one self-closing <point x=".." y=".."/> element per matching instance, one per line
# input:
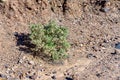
<point x="98" y="75"/>
<point x="47" y="74"/>
<point x="91" y="56"/>
<point x="68" y="78"/>
<point x="114" y="53"/>
<point x="53" y="77"/>
<point x="105" y="41"/>
<point x="30" y="77"/>
<point x="117" y="52"/>
<point x="16" y="34"/>
<point x="117" y="46"/>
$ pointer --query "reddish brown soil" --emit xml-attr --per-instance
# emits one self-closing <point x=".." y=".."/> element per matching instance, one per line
<point x="94" y="29"/>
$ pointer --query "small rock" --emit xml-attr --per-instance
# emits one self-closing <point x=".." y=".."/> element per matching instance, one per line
<point x="114" y="53"/>
<point x="68" y="78"/>
<point x="117" y="46"/>
<point x="41" y="70"/>
<point x="105" y="40"/>
<point x="30" y="77"/>
<point x="31" y="62"/>
<point x="98" y="75"/>
<point x="106" y="7"/>
<point x="47" y="74"/>
<point x="6" y="65"/>
<point x="20" y="75"/>
<point x="16" y="34"/>
<point x="105" y="10"/>
<point x="53" y="77"/>
<point x="91" y="56"/>
<point x="54" y="72"/>
<point x="81" y="45"/>
<point x="20" y="61"/>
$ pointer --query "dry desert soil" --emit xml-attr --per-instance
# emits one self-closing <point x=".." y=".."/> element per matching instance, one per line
<point x="94" y="36"/>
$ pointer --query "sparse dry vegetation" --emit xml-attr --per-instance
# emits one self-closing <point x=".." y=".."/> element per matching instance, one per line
<point x="50" y="39"/>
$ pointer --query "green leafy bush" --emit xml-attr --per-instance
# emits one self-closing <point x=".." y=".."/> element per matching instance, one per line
<point x="50" y="40"/>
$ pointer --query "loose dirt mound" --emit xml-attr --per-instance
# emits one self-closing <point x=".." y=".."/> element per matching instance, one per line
<point x="94" y="29"/>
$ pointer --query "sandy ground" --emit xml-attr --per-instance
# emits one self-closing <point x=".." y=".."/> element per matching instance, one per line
<point x="94" y="33"/>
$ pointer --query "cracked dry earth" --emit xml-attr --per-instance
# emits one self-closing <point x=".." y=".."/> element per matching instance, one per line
<point x="94" y="35"/>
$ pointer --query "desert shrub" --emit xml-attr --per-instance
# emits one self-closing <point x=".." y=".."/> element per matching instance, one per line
<point x="50" y="39"/>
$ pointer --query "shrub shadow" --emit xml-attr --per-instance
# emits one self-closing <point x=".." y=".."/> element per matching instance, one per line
<point x="23" y="41"/>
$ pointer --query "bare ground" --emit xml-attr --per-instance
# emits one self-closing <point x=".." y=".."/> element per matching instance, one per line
<point x="94" y="31"/>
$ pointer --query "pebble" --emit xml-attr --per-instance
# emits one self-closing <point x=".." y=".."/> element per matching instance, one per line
<point x="6" y="65"/>
<point x="42" y="70"/>
<point x="31" y="62"/>
<point x="47" y="74"/>
<point x="98" y="75"/>
<point x="68" y="78"/>
<point x="114" y="53"/>
<point x="20" y="74"/>
<point x="16" y="34"/>
<point x="106" y="7"/>
<point x="53" y="77"/>
<point x="90" y="56"/>
<point x="54" y="72"/>
<point x="30" y="77"/>
<point x="105" y="10"/>
<point x="20" y="61"/>
<point x="117" y="46"/>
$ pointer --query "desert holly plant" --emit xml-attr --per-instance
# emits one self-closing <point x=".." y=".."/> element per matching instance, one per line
<point x="50" y="40"/>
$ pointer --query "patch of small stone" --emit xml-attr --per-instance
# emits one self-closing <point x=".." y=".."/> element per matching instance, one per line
<point x="91" y="56"/>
